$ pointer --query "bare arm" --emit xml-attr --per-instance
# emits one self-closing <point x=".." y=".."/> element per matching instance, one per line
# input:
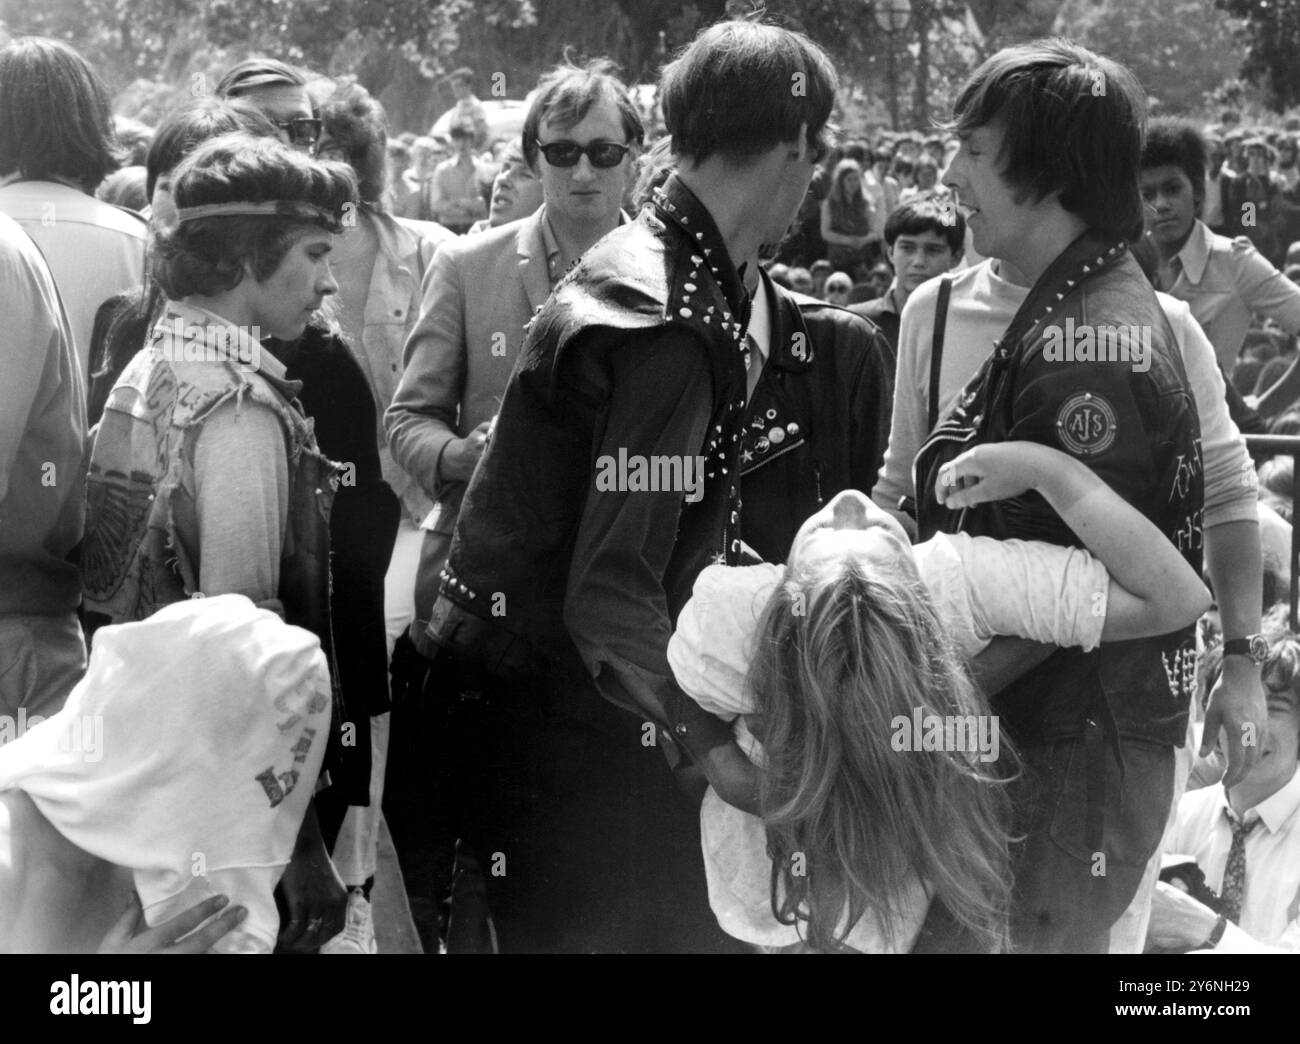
<point x="1152" y="589"/>
<point x="1237" y="705"/>
<point x="1005" y="659"/>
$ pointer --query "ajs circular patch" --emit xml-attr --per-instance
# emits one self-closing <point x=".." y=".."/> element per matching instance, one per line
<point x="1086" y="424"/>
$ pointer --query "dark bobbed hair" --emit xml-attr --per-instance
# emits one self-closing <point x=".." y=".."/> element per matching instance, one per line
<point x="207" y="256"/>
<point x="126" y="323"/>
<point x="567" y="93"/>
<point x="1072" y="123"/>
<point x="354" y="119"/>
<point x="741" y="88"/>
<point x="202" y="120"/>
<point x="1177" y="143"/>
<point x="55" y="117"/>
<point x="927" y="212"/>
<point x="254" y="73"/>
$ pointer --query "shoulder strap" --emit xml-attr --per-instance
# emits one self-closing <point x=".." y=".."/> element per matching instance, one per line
<point x="936" y="346"/>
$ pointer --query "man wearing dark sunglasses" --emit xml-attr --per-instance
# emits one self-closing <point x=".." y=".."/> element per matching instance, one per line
<point x="562" y="587"/>
<point x="479" y="294"/>
<point x="279" y="91"/>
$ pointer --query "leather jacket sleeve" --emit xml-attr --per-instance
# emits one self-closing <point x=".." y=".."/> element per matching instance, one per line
<point x="1097" y="414"/>
<point x="656" y="403"/>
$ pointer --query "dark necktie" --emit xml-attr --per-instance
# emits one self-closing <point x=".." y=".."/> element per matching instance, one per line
<point x="1234" y="873"/>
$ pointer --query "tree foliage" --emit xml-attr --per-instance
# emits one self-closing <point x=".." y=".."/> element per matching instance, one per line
<point x="1181" y="50"/>
<point x="1271" y="30"/>
<point x="401" y="49"/>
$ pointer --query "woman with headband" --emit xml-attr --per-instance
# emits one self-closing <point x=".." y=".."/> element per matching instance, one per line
<point x="205" y="477"/>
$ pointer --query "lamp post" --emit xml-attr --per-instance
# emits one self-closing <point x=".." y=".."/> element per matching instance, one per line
<point x="892" y="16"/>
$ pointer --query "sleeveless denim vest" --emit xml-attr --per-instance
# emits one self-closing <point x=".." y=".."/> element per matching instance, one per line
<point x="133" y="562"/>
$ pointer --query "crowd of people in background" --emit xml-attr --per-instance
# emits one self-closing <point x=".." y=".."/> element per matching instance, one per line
<point x="316" y="401"/>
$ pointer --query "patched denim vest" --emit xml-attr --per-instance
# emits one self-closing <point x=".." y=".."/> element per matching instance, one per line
<point x="132" y="562"/>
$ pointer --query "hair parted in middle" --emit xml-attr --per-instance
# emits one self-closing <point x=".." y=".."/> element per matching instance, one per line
<point x="567" y="93"/>
<point x="1072" y="122"/>
<point x="743" y="87"/>
<point x="208" y="255"/>
<point x="842" y="650"/>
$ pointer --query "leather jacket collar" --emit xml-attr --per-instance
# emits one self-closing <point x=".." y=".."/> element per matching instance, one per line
<point x="679" y="206"/>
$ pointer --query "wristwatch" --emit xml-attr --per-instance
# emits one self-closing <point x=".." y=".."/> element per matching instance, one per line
<point x="1253" y="645"/>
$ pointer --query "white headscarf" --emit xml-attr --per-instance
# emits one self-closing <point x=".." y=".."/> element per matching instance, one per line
<point x="187" y="754"/>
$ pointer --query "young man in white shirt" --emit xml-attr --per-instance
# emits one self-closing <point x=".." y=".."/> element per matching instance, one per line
<point x="1225" y="281"/>
<point x="1245" y="838"/>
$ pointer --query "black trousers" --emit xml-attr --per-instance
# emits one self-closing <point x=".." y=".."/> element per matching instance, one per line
<point x="584" y="838"/>
<point x="1087" y="821"/>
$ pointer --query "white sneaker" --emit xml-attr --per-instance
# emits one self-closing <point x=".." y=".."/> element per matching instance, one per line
<point x="358" y="935"/>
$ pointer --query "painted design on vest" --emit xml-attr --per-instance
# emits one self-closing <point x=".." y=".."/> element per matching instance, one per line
<point x="1086" y="424"/>
<point x="118" y="504"/>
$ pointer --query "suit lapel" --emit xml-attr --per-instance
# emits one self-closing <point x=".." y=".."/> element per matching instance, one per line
<point x="533" y="269"/>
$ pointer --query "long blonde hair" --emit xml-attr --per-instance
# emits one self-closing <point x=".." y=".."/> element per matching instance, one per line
<point x="851" y="822"/>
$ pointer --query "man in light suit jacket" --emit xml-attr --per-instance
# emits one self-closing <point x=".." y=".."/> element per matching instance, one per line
<point x="477" y="298"/>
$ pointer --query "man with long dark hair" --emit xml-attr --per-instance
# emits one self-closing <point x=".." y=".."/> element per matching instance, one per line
<point x="56" y="146"/>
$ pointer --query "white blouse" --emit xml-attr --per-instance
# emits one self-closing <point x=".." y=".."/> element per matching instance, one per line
<point x="980" y="588"/>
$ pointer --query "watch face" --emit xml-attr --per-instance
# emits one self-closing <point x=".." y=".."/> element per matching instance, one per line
<point x="1258" y="648"/>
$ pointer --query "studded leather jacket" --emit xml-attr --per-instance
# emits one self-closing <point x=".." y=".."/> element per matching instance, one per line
<point x="562" y="555"/>
<point x="818" y="421"/>
<point x="1136" y="427"/>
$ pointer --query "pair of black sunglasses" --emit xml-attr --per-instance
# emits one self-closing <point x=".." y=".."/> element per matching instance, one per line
<point x="603" y="154"/>
<point x="302" y="130"/>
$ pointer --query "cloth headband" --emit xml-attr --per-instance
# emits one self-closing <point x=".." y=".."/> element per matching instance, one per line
<point x="271" y="208"/>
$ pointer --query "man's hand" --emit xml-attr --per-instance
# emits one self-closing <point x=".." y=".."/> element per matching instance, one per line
<point x="1178" y="922"/>
<point x="314" y="893"/>
<point x="461" y="455"/>
<point x="131" y="935"/>
<point x="1238" y="707"/>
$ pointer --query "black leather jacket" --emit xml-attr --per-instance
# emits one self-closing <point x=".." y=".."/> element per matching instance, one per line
<point x="664" y="279"/>
<point x="818" y="422"/>
<point x="1138" y="430"/>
